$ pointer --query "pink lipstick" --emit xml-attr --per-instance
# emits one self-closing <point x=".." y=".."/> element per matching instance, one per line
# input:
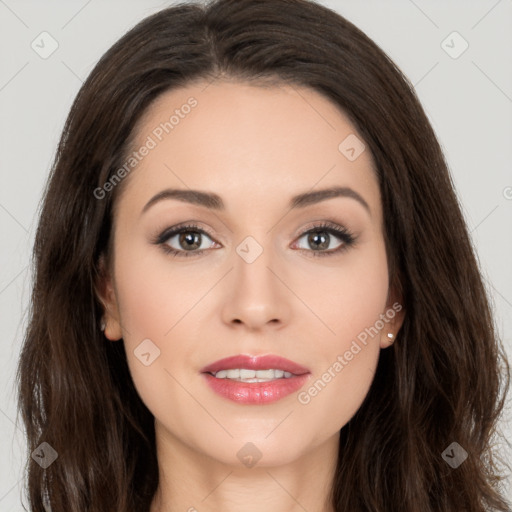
<point x="255" y="379"/>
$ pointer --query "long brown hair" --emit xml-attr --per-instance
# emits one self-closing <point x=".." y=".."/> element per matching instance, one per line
<point x="444" y="380"/>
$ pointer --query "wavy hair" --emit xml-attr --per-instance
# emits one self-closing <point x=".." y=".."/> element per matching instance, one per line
<point x="445" y="378"/>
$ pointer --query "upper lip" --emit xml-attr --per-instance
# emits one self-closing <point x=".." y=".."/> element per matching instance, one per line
<point x="266" y="362"/>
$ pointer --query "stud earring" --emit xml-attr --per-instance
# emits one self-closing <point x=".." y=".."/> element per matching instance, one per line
<point x="102" y="325"/>
<point x="391" y="337"/>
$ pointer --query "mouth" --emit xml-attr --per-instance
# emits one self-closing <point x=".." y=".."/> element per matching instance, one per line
<point x="247" y="375"/>
<point x="255" y="380"/>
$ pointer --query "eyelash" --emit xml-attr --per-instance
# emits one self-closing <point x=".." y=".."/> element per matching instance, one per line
<point x="343" y="234"/>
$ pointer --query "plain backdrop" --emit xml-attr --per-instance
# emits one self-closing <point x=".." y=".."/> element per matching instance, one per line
<point x="466" y="92"/>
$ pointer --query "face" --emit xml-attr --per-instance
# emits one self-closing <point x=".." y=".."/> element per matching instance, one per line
<point x="252" y="272"/>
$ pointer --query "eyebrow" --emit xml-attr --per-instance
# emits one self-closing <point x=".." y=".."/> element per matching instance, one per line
<point x="213" y="201"/>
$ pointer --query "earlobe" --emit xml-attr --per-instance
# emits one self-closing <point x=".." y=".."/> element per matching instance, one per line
<point x="390" y="338"/>
<point x="394" y="315"/>
<point x="105" y="292"/>
<point x="112" y="330"/>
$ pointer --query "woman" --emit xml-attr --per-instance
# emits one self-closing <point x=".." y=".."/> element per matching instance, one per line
<point x="327" y="345"/>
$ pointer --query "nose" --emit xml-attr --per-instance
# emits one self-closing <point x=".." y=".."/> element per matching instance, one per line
<point x="255" y="295"/>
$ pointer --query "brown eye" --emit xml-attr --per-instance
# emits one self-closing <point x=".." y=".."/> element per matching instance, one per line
<point x="320" y="240"/>
<point x="184" y="240"/>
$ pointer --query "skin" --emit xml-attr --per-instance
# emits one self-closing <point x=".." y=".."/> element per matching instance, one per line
<point x="255" y="147"/>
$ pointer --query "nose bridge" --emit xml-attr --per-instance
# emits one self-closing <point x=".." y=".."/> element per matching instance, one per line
<point x="252" y="267"/>
<point x="257" y="296"/>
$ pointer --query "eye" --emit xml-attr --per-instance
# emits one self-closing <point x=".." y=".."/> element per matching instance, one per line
<point x="320" y="236"/>
<point x="189" y="240"/>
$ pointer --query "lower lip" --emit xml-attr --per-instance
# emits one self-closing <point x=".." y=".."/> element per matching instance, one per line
<point x="255" y="392"/>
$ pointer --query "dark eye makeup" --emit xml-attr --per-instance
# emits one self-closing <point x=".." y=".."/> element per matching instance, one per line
<point x="191" y="234"/>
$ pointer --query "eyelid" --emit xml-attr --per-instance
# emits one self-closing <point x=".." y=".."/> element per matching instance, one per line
<point x="192" y="225"/>
<point x="316" y="224"/>
<point x="196" y="225"/>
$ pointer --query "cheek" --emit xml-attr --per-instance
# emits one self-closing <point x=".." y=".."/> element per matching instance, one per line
<point x="352" y="301"/>
<point x="152" y="296"/>
<point x="156" y="307"/>
<point x="348" y="298"/>
<point x="337" y="391"/>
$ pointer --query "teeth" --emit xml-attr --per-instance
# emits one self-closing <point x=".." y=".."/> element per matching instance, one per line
<point x="245" y="375"/>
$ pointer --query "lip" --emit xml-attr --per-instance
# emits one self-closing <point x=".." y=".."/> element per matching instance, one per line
<point x="256" y="363"/>
<point x="256" y="392"/>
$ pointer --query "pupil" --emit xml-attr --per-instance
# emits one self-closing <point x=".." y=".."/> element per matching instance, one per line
<point x="314" y="237"/>
<point x="190" y="239"/>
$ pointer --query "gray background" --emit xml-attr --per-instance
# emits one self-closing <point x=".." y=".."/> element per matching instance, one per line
<point x="468" y="100"/>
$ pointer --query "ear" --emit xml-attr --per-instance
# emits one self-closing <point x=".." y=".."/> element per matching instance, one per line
<point x="393" y="318"/>
<point x="106" y="294"/>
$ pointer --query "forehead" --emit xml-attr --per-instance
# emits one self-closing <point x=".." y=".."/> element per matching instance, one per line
<point x="236" y="138"/>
